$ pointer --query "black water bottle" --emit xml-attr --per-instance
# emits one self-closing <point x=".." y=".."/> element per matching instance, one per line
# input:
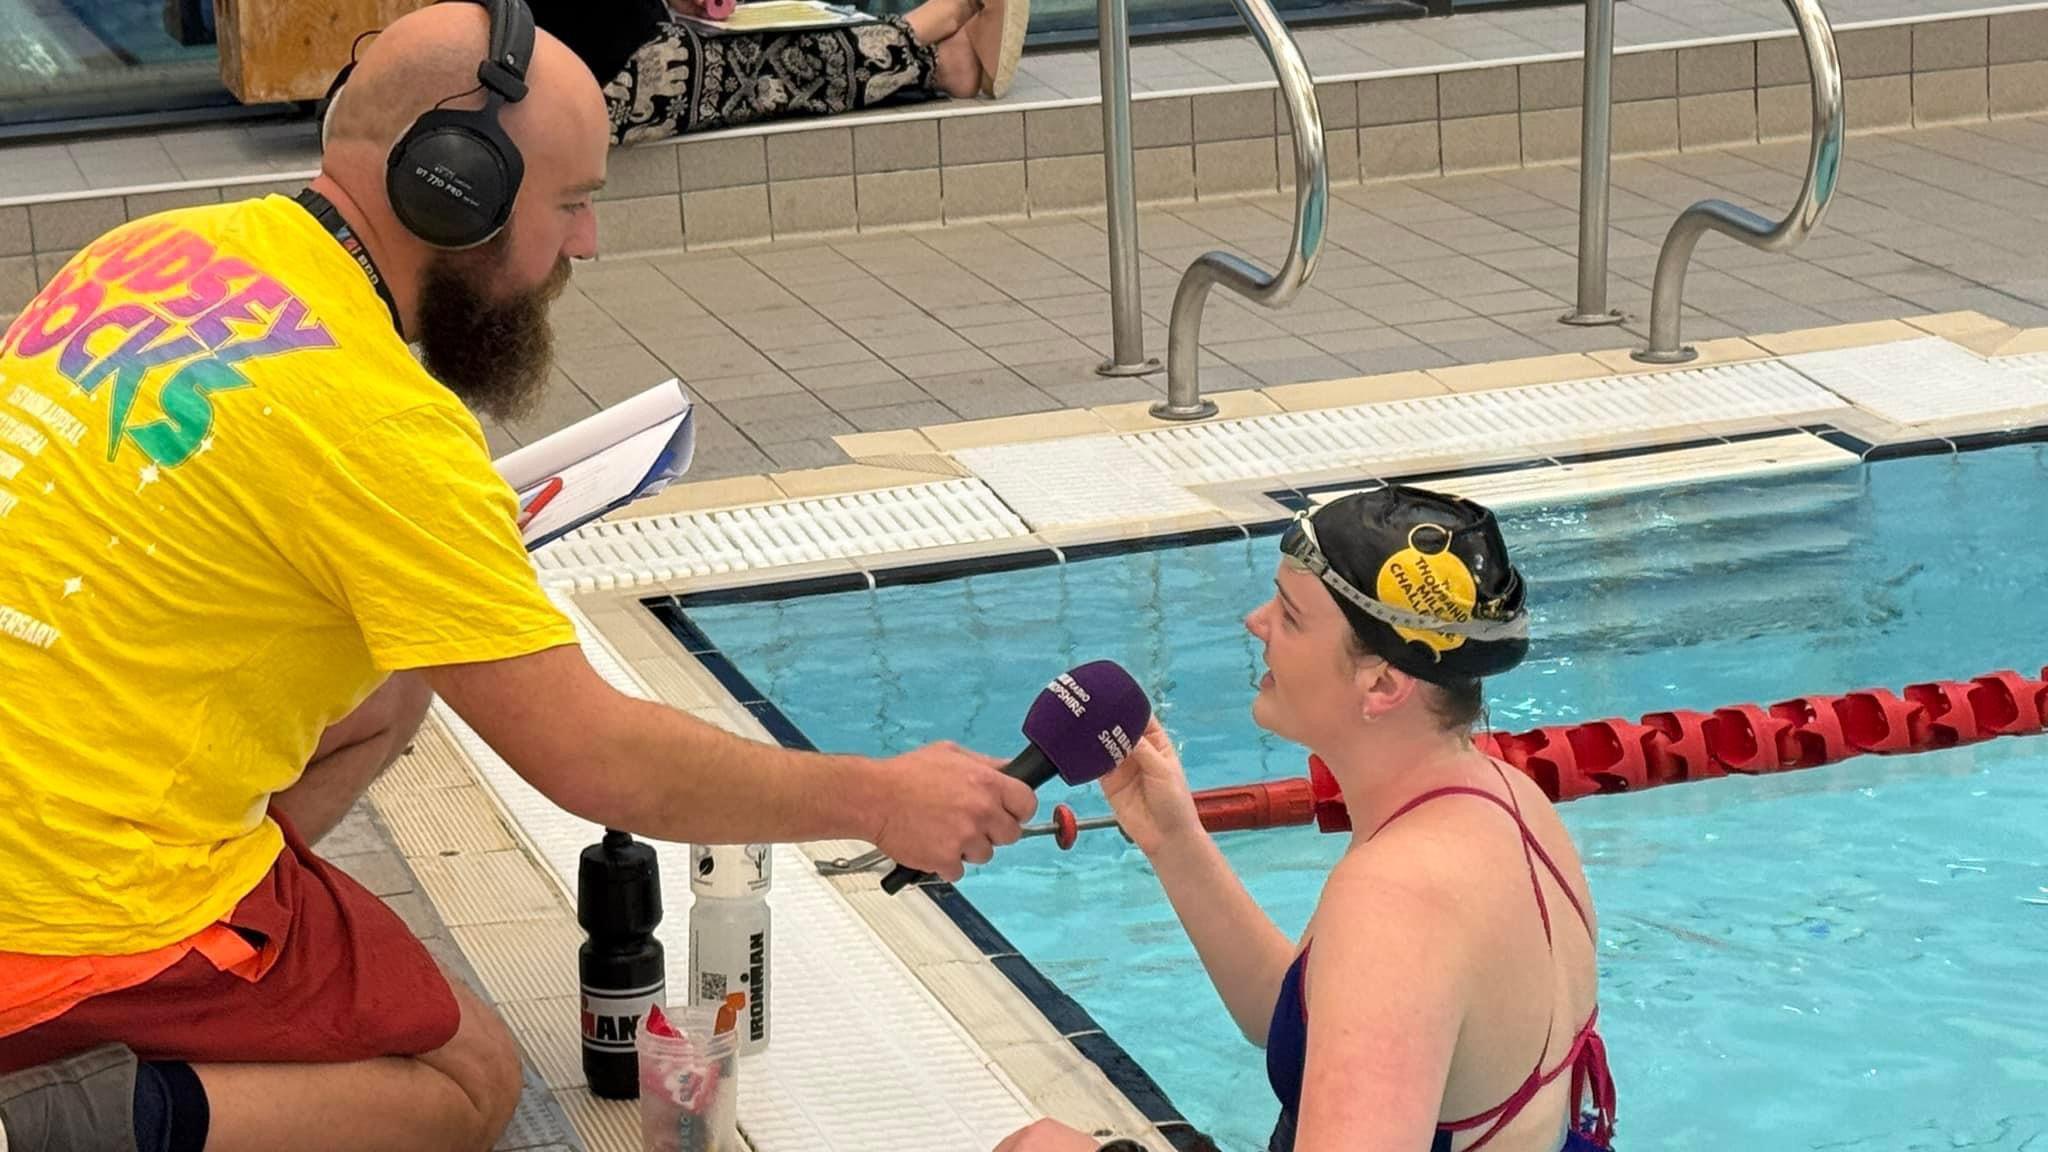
<point x="618" y="902"/>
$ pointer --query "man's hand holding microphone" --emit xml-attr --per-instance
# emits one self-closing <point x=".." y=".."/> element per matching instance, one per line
<point x="1080" y="727"/>
<point x="948" y="806"/>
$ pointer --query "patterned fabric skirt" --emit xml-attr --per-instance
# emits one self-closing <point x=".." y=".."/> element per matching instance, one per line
<point x="684" y="81"/>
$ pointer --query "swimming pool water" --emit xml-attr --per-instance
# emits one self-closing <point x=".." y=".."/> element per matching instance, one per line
<point x="1848" y="958"/>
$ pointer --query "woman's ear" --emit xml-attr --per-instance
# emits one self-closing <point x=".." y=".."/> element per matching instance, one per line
<point x="1382" y="688"/>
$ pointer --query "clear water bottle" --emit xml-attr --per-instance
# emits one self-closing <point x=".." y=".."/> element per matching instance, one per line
<point x="730" y="939"/>
<point x="618" y="902"/>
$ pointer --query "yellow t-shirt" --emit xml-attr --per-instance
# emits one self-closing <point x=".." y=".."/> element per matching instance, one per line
<point x="230" y="503"/>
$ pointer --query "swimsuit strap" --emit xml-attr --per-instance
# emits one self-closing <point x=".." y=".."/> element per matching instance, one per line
<point x="1587" y="1061"/>
<point x="1532" y="848"/>
<point x="1587" y="1042"/>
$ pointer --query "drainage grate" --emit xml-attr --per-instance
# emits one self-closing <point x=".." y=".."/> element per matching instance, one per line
<point x="1536" y="419"/>
<point x="632" y="553"/>
<point x="1923" y="381"/>
<point x="2033" y="365"/>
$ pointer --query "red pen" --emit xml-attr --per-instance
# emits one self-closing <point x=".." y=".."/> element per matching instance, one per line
<point x="548" y="492"/>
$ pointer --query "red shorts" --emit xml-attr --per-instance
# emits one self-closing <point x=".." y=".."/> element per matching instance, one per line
<point x="348" y="982"/>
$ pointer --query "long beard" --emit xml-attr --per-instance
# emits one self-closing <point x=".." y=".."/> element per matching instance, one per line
<point x="490" y="349"/>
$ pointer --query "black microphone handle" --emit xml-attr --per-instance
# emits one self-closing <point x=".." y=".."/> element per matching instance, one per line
<point x="1032" y="766"/>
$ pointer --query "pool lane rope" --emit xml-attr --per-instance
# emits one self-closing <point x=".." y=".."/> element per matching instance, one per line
<point x="1602" y="757"/>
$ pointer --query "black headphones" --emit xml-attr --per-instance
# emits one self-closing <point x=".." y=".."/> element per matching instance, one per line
<point x="453" y="176"/>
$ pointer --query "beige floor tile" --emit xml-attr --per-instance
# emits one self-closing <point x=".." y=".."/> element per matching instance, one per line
<point x="549" y="1031"/>
<point x="1835" y="336"/>
<point x="1067" y="537"/>
<point x="448" y="820"/>
<point x="1356" y="390"/>
<point x="902" y="441"/>
<point x="1973" y="330"/>
<point x="1727" y="350"/>
<point x="523" y="960"/>
<point x="704" y="495"/>
<point x="1015" y="429"/>
<point x="605" y="1125"/>
<point x="433" y="762"/>
<point x="2026" y="341"/>
<point x="843" y="478"/>
<point x="489" y="888"/>
<point x="1068" y="1087"/>
<point x="1137" y="416"/>
<point x="1519" y="373"/>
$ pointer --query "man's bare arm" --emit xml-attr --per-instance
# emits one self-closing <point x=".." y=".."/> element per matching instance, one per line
<point x="652" y="770"/>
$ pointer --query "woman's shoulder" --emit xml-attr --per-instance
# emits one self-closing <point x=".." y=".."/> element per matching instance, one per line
<point x="1421" y="866"/>
<point x="1459" y="857"/>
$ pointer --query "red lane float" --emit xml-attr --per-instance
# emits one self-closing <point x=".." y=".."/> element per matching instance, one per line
<point x="1609" y="756"/>
<point x="1606" y="756"/>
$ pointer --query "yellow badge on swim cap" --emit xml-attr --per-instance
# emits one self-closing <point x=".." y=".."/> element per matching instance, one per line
<point x="1428" y="579"/>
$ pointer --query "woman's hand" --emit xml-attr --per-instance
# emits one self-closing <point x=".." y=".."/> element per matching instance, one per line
<point x="1149" y="793"/>
<point x="1048" y="1136"/>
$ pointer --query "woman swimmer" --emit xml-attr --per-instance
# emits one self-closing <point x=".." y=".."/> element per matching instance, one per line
<point x="1451" y="999"/>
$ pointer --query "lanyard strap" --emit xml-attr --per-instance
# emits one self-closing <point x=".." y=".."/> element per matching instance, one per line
<point x="329" y="216"/>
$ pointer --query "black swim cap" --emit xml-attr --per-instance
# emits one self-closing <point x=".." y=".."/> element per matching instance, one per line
<point x="1441" y="601"/>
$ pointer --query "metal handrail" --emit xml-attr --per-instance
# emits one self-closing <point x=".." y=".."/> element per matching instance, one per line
<point x="1311" y="212"/>
<point x="1823" y="170"/>
<point x="1596" y="158"/>
<point x="1126" y="315"/>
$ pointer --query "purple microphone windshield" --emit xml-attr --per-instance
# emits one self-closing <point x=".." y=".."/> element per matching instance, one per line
<point x="1088" y="719"/>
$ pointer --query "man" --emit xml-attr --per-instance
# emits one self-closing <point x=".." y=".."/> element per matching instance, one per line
<point x="243" y="534"/>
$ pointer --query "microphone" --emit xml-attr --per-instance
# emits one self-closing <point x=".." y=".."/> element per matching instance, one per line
<point x="1081" y="727"/>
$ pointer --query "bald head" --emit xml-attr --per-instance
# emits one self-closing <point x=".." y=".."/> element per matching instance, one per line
<point x="429" y="57"/>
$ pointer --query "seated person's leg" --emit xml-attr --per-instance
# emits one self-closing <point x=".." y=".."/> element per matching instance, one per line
<point x="938" y="23"/>
<point x="459" y="1097"/>
<point x="678" y="82"/>
<point x="351" y="1038"/>
<point x="955" y="68"/>
<point x="352" y="753"/>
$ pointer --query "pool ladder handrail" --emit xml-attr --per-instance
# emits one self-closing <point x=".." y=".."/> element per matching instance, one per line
<point x="1823" y="170"/>
<point x="1311" y="213"/>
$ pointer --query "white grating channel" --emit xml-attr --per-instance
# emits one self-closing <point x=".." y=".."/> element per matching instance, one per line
<point x="1080" y="480"/>
<point x="1539" y="418"/>
<point x="630" y="553"/>
<point x="1923" y="381"/>
<point x="2033" y="365"/>
<point x="860" y="1055"/>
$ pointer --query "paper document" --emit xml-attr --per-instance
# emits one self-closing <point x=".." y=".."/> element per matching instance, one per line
<point x="630" y="450"/>
<point x="778" y="16"/>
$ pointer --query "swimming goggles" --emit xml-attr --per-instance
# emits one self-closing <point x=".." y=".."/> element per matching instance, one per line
<point x="1298" y="543"/>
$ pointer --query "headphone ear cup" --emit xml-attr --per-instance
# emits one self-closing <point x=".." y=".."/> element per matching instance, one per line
<point x="453" y="178"/>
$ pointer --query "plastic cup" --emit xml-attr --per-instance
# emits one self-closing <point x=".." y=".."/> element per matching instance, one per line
<point x="689" y="1085"/>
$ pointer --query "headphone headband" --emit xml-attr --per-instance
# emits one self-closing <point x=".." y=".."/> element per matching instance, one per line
<point x="454" y="174"/>
<point x="504" y="70"/>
